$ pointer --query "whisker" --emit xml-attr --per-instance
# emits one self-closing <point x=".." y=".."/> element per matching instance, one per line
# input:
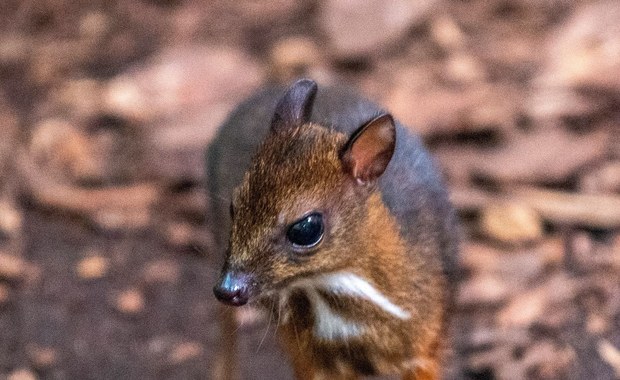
<point x="280" y="304"/>
<point x="239" y="324"/>
<point x="266" y="330"/>
<point x="297" y="337"/>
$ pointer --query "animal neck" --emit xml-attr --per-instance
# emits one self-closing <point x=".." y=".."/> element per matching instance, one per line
<point x="383" y="251"/>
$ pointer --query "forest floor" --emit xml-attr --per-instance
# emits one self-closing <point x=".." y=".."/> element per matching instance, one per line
<point x="106" y="107"/>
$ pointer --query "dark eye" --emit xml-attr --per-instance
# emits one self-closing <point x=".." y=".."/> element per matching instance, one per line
<point x="231" y="210"/>
<point x="306" y="232"/>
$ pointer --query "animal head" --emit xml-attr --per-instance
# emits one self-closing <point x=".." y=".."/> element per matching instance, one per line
<point x="302" y="207"/>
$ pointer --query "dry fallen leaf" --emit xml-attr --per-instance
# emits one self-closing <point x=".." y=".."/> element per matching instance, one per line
<point x="92" y="267"/>
<point x="130" y="301"/>
<point x="11" y="266"/>
<point x="610" y="354"/>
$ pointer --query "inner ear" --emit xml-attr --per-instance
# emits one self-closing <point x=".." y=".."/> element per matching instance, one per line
<point x="370" y="148"/>
<point x="295" y="107"/>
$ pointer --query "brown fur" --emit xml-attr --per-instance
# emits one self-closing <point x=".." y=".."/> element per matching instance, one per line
<point x="299" y="170"/>
<point x="388" y="226"/>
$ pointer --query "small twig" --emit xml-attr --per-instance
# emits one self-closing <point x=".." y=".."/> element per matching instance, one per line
<point x="592" y="210"/>
<point x="55" y="194"/>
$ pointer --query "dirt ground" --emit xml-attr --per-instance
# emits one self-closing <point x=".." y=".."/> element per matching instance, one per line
<point x="106" y="107"/>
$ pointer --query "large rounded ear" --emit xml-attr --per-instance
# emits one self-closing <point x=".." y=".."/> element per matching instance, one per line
<point x="370" y="148"/>
<point x="295" y="107"/>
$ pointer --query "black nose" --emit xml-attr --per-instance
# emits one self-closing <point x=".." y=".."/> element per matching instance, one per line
<point x="234" y="288"/>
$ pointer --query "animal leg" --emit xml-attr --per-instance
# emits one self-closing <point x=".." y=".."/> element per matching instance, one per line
<point x="225" y="364"/>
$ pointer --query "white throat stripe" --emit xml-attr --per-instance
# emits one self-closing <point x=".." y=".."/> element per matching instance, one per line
<point x="352" y="285"/>
<point x="329" y="325"/>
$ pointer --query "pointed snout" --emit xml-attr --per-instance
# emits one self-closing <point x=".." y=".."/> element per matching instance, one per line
<point x="234" y="288"/>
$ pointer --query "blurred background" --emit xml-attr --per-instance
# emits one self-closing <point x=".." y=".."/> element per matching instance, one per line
<point x="106" y="107"/>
